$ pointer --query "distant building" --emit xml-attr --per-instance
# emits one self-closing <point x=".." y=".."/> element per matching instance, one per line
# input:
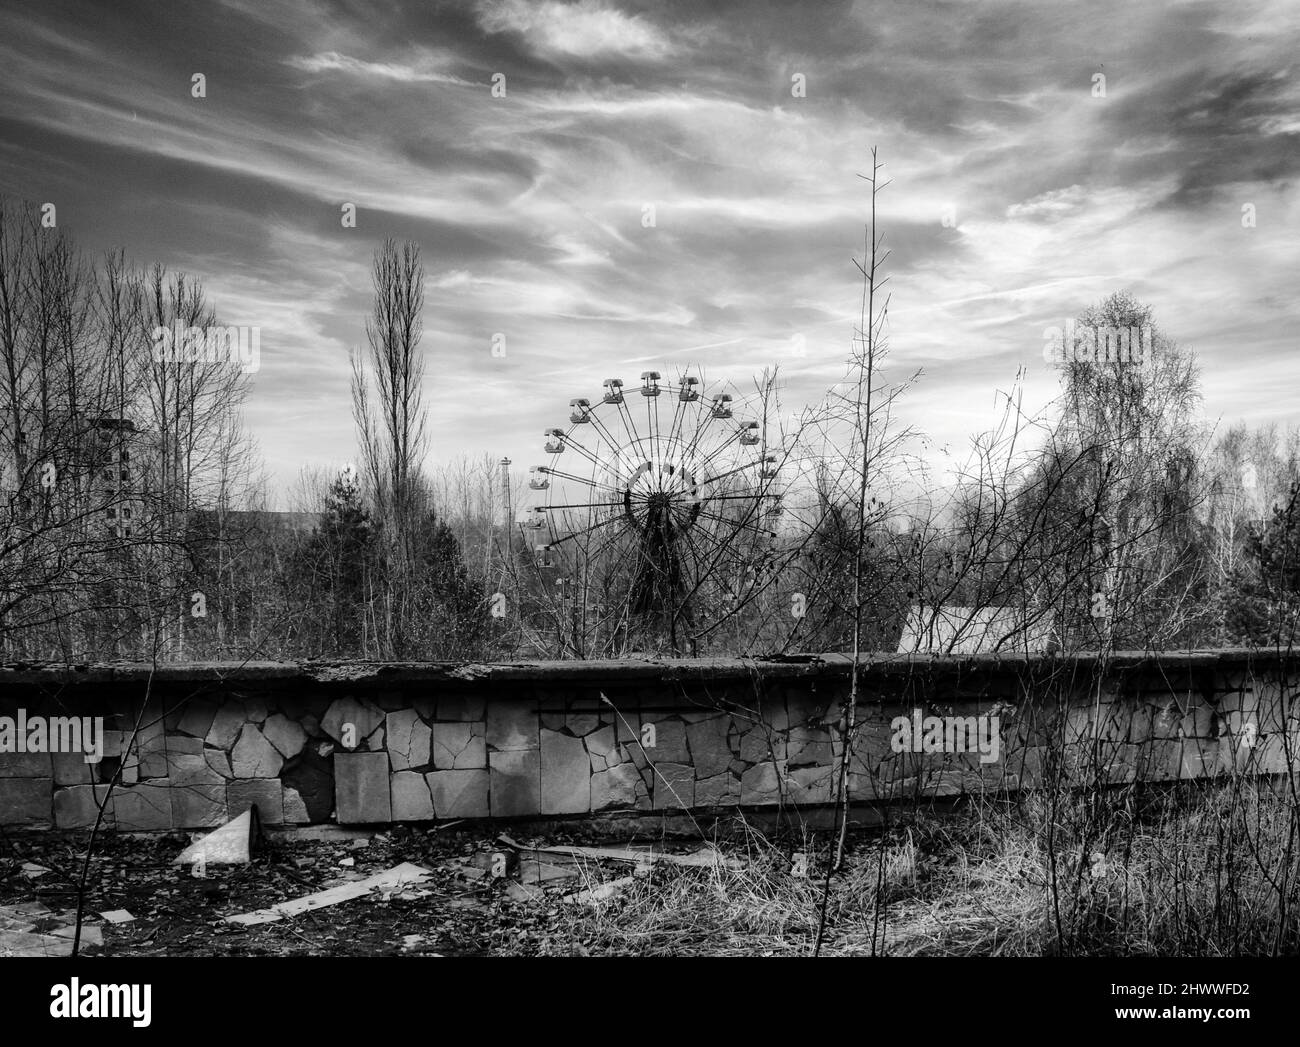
<point x="975" y="630"/>
<point x="262" y="521"/>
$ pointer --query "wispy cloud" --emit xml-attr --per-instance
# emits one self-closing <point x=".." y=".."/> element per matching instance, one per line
<point x="650" y="187"/>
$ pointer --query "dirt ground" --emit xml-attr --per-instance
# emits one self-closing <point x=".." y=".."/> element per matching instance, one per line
<point x="461" y="909"/>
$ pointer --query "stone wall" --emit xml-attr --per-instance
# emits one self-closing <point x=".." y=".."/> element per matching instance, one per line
<point x="371" y="743"/>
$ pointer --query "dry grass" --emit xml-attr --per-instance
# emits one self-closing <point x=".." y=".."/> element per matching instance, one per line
<point x="1211" y="871"/>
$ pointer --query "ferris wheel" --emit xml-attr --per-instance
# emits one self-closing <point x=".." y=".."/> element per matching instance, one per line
<point x="656" y="502"/>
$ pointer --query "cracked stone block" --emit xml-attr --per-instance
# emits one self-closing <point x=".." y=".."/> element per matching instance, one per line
<point x="186" y="769"/>
<point x="808" y="747"/>
<point x="760" y="784"/>
<point x="26" y="801"/>
<point x="710" y="749"/>
<point x="515" y="782"/>
<point x="77" y="807"/>
<point x="364" y="716"/>
<point x="512" y="725"/>
<point x="459" y="746"/>
<point x="408" y="740"/>
<point x="219" y="762"/>
<point x="197" y="806"/>
<point x="670" y="743"/>
<point x="412" y="801"/>
<point x="197" y="717"/>
<point x="758" y="744"/>
<point x="266" y="794"/>
<point x="253" y="756"/>
<point x="183" y="743"/>
<point x="227" y="722"/>
<point x="142" y="808"/>
<point x="26" y="765"/>
<point x="295" y="811"/>
<point x="566" y="774"/>
<point x="719" y="790"/>
<point x="286" y="735"/>
<point x="460" y="794"/>
<point x="603" y="744"/>
<point x="674" y="786"/>
<point x="616" y="787"/>
<point x="361" y="788"/>
<point x="810" y="784"/>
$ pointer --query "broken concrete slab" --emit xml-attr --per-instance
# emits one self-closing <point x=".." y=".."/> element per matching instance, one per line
<point x="232" y="844"/>
<point x="32" y="943"/>
<point x="523" y="892"/>
<point x="396" y="878"/>
<point x="601" y="892"/>
<point x="704" y="857"/>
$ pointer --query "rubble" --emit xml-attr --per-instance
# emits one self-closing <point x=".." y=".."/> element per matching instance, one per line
<point x="232" y="844"/>
<point x="31" y="929"/>
<point x="399" y="876"/>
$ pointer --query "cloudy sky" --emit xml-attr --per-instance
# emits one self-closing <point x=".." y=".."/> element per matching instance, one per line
<point x="1020" y="195"/>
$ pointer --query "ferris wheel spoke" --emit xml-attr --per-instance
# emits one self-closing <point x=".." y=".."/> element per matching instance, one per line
<point x="584" y="505"/>
<point x="630" y="425"/>
<point x="604" y="432"/>
<point x="729" y="472"/>
<point x="573" y="535"/>
<point x="679" y="418"/>
<point x="583" y="480"/>
<point x="578" y="446"/>
<point x="735" y="526"/>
